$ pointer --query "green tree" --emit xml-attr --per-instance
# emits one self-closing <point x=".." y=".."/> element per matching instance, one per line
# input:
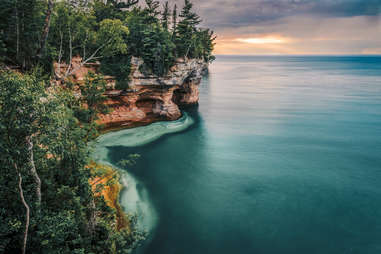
<point x="118" y="66"/>
<point x="22" y="23"/>
<point x="3" y="48"/>
<point x="91" y="104"/>
<point x="23" y="111"/>
<point x="186" y="29"/>
<point x="151" y="42"/>
<point x="207" y="38"/>
<point x="152" y="11"/>
<point x="76" y="33"/>
<point x="157" y="50"/>
<point x="165" y="16"/>
<point x="71" y="219"/>
<point x="111" y="9"/>
<point x="174" y="22"/>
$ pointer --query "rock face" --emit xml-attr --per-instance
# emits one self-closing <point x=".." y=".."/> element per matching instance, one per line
<point x="152" y="98"/>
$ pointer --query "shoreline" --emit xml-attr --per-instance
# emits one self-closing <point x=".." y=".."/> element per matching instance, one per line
<point x="134" y="200"/>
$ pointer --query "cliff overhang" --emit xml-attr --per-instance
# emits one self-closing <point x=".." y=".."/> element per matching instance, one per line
<point x="151" y="98"/>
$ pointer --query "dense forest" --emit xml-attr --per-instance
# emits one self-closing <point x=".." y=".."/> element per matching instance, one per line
<point x="47" y="204"/>
<point x="35" y="33"/>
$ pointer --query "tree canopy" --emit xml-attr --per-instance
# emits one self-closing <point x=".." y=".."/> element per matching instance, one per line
<point x="36" y="32"/>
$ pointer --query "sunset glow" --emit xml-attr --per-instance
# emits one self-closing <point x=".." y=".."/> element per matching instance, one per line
<point x="311" y="27"/>
<point x="265" y="40"/>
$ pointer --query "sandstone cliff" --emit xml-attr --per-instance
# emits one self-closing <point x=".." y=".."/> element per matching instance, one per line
<point x="150" y="98"/>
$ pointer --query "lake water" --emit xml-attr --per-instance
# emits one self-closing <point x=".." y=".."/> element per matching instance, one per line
<point x="283" y="155"/>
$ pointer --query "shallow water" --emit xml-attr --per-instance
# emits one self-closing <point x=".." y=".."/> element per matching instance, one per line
<point x="284" y="156"/>
<point x="134" y="197"/>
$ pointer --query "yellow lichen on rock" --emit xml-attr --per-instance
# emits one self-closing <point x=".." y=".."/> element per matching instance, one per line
<point x="105" y="182"/>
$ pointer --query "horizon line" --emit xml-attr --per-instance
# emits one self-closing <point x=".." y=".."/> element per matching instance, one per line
<point x="364" y="55"/>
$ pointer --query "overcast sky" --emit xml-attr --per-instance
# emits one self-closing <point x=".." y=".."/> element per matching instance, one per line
<point x="293" y="26"/>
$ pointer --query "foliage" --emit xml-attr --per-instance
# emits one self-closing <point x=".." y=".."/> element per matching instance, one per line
<point x="158" y="50"/>
<point x="174" y="22"/>
<point x="186" y="35"/>
<point x="75" y="32"/>
<point x="90" y="104"/>
<point x="151" y="11"/>
<point x="118" y="66"/>
<point x="64" y="223"/>
<point x="107" y="31"/>
<point x="191" y="41"/>
<point x="165" y="16"/>
<point x="21" y="23"/>
<point x="3" y="48"/>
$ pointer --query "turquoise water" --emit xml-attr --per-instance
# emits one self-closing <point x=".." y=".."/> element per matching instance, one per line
<point x="283" y="155"/>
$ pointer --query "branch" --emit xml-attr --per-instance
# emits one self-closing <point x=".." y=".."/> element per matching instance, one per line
<point x="92" y="57"/>
<point x="126" y="5"/>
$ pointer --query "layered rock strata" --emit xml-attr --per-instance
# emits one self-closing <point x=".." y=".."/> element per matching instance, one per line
<point x="152" y="98"/>
<point x="149" y="98"/>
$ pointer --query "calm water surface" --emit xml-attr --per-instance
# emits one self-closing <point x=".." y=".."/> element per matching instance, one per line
<point x="284" y="156"/>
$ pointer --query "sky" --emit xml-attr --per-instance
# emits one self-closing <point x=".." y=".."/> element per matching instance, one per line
<point x="306" y="27"/>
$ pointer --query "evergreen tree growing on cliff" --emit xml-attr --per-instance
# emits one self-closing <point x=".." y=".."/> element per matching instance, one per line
<point x="207" y="39"/>
<point x="165" y="16"/>
<point x="152" y="11"/>
<point x="174" y="21"/>
<point x="186" y="30"/>
<point x="158" y="50"/>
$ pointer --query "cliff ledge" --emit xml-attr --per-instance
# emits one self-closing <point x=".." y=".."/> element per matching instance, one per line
<point x="149" y="98"/>
<point x="152" y="98"/>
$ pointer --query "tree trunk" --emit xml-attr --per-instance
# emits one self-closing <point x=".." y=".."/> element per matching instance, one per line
<point x="92" y="220"/>
<point x="33" y="170"/>
<point x="17" y="31"/>
<point x="45" y="31"/>
<point x="27" y="215"/>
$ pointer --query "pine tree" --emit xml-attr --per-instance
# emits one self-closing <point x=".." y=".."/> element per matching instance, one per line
<point x="207" y="39"/>
<point x="125" y="4"/>
<point x="152" y="11"/>
<point x="165" y="16"/>
<point x="186" y="30"/>
<point x="174" y="21"/>
<point x="189" y="17"/>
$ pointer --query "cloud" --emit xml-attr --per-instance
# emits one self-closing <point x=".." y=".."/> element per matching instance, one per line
<point x="310" y="26"/>
<point x="230" y="13"/>
<point x="304" y="35"/>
